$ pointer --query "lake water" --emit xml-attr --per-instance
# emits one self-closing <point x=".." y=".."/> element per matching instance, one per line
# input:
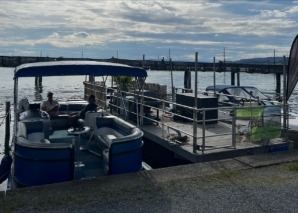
<point x="72" y="86"/>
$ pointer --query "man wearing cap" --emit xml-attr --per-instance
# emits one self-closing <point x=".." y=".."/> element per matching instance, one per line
<point x="50" y="106"/>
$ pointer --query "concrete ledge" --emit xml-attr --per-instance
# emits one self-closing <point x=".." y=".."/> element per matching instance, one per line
<point x="174" y="189"/>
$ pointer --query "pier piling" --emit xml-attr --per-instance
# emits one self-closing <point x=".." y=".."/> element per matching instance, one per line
<point x="278" y="85"/>
<point x="38" y="81"/>
<point x="238" y="78"/>
<point x="232" y="78"/>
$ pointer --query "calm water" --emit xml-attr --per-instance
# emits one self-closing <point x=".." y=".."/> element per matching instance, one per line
<point x="71" y="87"/>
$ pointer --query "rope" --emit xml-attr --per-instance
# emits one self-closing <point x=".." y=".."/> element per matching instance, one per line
<point x="4" y="117"/>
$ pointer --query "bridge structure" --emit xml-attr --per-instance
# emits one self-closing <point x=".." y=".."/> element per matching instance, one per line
<point x="13" y="61"/>
<point x="235" y="69"/>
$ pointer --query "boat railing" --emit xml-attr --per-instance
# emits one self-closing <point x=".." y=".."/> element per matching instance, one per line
<point x="157" y="115"/>
<point x="193" y="127"/>
<point x="253" y="124"/>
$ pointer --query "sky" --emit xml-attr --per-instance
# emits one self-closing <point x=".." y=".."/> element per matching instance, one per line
<point x="128" y="29"/>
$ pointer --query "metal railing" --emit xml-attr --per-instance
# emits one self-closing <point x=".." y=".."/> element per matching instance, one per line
<point x="129" y="105"/>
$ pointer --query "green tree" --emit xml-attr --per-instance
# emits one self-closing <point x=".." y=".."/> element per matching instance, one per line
<point x="124" y="82"/>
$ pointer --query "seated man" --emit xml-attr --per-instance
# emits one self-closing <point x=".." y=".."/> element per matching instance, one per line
<point x="50" y="106"/>
<point x="91" y="106"/>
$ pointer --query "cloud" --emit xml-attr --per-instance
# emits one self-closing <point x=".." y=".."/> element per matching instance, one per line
<point x="81" y="35"/>
<point x="151" y="25"/>
<point x="273" y="13"/>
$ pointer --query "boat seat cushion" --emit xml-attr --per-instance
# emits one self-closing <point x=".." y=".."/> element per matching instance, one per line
<point x="106" y="135"/>
<point x="110" y="129"/>
<point x="34" y="131"/>
<point x="35" y="136"/>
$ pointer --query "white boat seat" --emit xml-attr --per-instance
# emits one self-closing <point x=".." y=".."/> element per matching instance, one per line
<point x="106" y="135"/>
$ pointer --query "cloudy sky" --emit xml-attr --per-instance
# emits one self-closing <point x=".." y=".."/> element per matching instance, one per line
<point x="156" y="28"/>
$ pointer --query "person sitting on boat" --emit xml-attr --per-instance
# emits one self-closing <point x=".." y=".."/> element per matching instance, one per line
<point x="50" y="106"/>
<point x="91" y="106"/>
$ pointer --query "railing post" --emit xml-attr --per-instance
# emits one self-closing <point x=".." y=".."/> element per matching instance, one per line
<point x="234" y="128"/>
<point x="204" y="133"/>
<point x="137" y="110"/>
<point x="162" y="119"/>
<point x="195" y="130"/>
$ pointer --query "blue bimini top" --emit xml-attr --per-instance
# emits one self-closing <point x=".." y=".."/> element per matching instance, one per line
<point x="68" y="68"/>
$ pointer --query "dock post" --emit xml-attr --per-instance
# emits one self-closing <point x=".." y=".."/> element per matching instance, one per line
<point x="91" y="79"/>
<point x="285" y="106"/>
<point x="214" y="77"/>
<point x="187" y="80"/>
<point x="238" y="78"/>
<point x="195" y="111"/>
<point x="7" y="128"/>
<point x="204" y="131"/>
<point x="232" y="78"/>
<point x="162" y="119"/>
<point x="38" y="81"/>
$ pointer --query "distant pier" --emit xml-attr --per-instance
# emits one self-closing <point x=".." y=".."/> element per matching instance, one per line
<point x="13" y="61"/>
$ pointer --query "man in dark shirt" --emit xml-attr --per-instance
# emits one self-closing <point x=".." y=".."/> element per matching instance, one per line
<point x="91" y="106"/>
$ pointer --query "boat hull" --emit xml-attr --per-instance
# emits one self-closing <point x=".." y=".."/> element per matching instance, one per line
<point x="35" y="165"/>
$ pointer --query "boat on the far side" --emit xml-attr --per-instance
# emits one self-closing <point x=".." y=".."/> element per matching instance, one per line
<point x="249" y="96"/>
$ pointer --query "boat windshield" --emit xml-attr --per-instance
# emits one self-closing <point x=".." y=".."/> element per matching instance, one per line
<point x="238" y="93"/>
<point x="256" y="93"/>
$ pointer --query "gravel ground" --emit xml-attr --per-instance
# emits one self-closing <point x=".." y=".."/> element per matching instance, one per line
<point x="220" y="186"/>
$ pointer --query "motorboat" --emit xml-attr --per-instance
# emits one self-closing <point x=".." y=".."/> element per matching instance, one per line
<point x="48" y="150"/>
<point x="251" y="97"/>
<point x="238" y="95"/>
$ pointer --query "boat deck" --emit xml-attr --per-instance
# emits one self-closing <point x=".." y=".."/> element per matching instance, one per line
<point x="89" y="154"/>
<point x="93" y="164"/>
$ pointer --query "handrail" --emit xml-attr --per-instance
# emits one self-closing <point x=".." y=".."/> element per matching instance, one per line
<point x="199" y="142"/>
